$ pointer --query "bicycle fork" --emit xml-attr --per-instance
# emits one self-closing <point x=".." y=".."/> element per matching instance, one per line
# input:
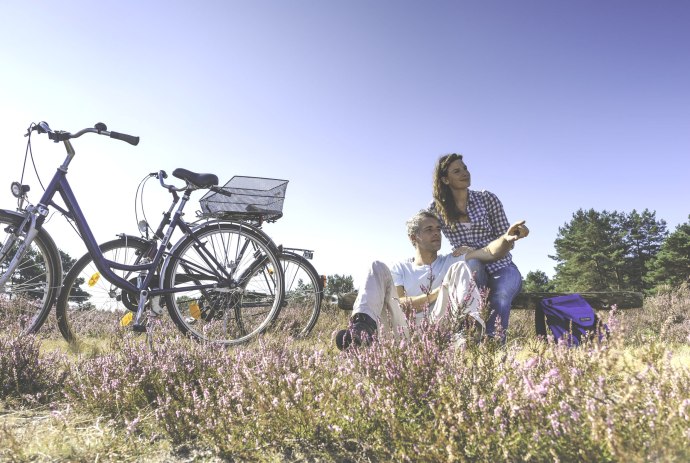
<point x="21" y="250"/>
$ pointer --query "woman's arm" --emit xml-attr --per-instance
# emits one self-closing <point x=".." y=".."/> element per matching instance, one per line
<point x="500" y="246"/>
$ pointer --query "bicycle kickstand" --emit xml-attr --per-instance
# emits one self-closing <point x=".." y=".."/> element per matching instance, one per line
<point x="138" y="326"/>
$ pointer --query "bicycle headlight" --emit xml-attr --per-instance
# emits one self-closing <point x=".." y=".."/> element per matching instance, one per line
<point x="19" y="190"/>
<point x="143" y="226"/>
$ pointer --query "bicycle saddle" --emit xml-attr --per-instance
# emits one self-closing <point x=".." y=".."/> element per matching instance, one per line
<point x="198" y="180"/>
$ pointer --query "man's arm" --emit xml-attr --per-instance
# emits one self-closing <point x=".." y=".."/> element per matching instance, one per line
<point x="416" y="303"/>
<point x="500" y="246"/>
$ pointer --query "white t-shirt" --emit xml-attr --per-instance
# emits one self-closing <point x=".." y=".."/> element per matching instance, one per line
<point x="420" y="279"/>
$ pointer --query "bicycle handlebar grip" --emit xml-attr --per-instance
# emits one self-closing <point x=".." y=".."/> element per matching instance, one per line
<point x="131" y="139"/>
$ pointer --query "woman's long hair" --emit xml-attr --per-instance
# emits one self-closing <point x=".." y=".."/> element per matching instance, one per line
<point x="443" y="196"/>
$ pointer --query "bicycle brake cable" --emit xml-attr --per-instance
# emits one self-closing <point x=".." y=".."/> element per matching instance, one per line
<point x="140" y="196"/>
<point x="29" y="153"/>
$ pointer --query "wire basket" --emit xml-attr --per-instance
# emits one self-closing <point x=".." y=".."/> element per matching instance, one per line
<point x="246" y="197"/>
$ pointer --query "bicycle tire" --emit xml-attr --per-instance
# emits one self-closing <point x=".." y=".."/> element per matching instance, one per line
<point x="303" y="295"/>
<point x="29" y="293"/>
<point x="249" y="283"/>
<point x="87" y="316"/>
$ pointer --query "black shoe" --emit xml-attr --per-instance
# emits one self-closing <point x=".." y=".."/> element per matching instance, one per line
<point x="360" y="332"/>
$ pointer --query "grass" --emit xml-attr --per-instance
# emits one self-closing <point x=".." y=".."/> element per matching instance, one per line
<point x="279" y="399"/>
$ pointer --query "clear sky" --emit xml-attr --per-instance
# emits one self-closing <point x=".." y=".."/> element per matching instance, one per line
<point x="556" y="106"/>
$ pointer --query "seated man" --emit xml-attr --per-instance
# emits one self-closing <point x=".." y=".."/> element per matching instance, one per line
<point x="417" y="283"/>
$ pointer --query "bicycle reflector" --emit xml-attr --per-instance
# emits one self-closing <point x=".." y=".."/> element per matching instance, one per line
<point x="126" y="319"/>
<point x="19" y="190"/>
<point x="194" y="310"/>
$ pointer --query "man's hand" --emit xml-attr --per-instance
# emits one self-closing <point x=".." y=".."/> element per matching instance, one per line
<point x="407" y="307"/>
<point x="414" y="304"/>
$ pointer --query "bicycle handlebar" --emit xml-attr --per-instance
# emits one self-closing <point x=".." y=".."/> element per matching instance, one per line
<point x="100" y="128"/>
<point x="162" y="175"/>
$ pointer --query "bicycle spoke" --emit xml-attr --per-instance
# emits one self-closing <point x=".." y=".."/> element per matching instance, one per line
<point x="237" y="308"/>
<point x="29" y="292"/>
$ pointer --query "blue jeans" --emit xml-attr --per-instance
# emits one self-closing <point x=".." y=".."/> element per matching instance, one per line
<point x="503" y="286"/>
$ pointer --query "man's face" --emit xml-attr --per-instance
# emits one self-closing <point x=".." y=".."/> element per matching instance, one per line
<point x="429" y="236"/>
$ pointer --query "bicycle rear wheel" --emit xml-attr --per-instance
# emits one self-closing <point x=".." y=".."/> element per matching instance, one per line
<point x="228" y="283"/>
<point x="30" y="291"/>
<point x="303" y="296"/>
<point x="90" y="308"/>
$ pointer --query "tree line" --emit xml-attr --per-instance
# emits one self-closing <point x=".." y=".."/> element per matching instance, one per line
<point x="616" y="251"/>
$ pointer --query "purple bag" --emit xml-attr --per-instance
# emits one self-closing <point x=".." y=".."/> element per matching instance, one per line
<point x="569" y="317"/>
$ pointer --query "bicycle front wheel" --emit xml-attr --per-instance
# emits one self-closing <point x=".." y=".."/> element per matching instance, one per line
<point x="303" y="295"/>
<point x="29" y="293"/>
<point x="90" y="308"/>
<point x="227" y="283"/>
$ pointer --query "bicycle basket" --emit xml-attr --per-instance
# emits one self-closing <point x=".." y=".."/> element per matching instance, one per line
<point x="246" y="197"/>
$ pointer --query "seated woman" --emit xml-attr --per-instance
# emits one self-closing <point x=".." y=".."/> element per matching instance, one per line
<point x="471" y="219"/>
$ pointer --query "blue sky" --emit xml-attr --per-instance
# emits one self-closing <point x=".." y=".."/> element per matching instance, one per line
<point x="556" y="106"/>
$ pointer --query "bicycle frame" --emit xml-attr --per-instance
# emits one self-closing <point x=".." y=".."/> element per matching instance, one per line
<point x="36" y="215"/>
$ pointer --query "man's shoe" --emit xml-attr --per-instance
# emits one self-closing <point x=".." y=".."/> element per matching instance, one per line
<point x="360" y="332"/>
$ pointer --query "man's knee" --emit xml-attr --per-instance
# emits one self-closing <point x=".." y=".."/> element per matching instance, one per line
<point x="376" y="272"/>
<point x="381" y="273"/>
<point x="377" y="266"/>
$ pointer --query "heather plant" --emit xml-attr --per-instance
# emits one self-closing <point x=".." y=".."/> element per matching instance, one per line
<point x="665" y="317"/>
<point x="134" y="373"/>
<point x="426" y="398"/>
<point x="25" y="374"/>
<point x="668" y="314"/>
<point x="16" y="312"/>
<point x="97" y="323"/>
<point x="413" y="400"/>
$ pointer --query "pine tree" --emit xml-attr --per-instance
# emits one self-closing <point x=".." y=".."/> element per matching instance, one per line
<point x="643" y="241"/>
<point x="671" y="265"/>
<point x="590" y="252"/>
<point x="537" y="282"/>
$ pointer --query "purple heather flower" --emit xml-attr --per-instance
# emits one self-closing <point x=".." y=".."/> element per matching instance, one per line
<point x="531" y="362"/>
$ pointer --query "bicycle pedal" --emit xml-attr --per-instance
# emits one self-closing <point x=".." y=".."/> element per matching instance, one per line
<point x="127" y="319"/>
<point x="139" y="328"/>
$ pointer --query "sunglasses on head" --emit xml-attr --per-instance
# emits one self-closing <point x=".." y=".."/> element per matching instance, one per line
<point x="448" y="159"/>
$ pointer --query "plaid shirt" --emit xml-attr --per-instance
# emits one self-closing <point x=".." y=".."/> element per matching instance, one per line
<point x="488" y="220"/>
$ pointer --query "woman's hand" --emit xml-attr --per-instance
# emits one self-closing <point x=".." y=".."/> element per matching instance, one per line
<point x="461" y="250"/>
<point x="517" y="231"/>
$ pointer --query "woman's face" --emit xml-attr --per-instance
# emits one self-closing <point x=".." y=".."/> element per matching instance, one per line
<point x="458" y="176"/>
